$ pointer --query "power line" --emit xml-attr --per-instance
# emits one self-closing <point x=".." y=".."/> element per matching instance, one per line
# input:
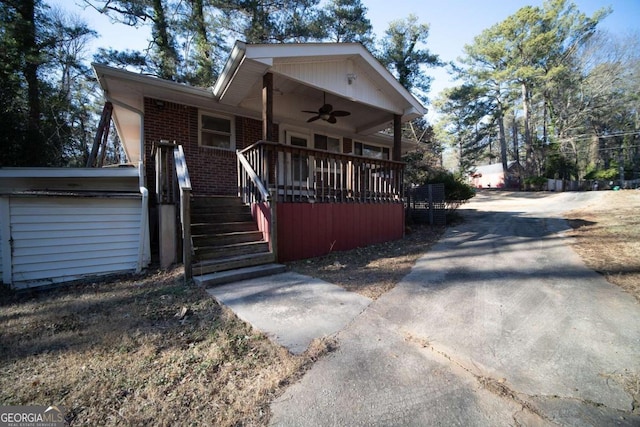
<point x="586" y="149"/>
<point x="589" y="136"/>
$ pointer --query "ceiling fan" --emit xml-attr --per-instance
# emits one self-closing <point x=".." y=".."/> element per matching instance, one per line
<point x="326" y="113"/>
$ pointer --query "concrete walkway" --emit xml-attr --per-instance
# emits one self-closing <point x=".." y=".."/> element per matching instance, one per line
<point x="290" y="308"/>
<point x="500" y="323"/>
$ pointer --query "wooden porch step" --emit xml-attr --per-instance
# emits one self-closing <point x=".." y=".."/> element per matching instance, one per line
<point x="229" y="276"/>
<point x="223" y="227"/>
<point x="217" y="217"/>
<point x="204" y="210"/>
<point x="216" y="201"/>
<point x="233" y="262"/>
<point x="229" y="238"/>
<point x="209" y="252"/>
<point x="227" y="244"/>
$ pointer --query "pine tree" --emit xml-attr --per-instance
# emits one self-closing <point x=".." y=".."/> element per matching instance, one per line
<point x="401" y="52"/>
<point x="345" y="21"/>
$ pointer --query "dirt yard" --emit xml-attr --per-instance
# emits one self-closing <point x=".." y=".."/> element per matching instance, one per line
<point x="149" y="350"/>
<point x="607" y="237"/>
<point x="373" y="270"/>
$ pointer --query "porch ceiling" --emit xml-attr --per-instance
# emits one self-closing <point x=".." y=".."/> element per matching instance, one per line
<point x="291" y="98"/>
<point x="346" y="72"/>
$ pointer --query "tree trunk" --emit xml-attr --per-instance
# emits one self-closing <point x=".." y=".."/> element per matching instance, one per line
<point x="503" y="141"/>
<point x="28" y="44"/>
<point x="545" y="119"/>
<point x="528" y="143"/>
<point x="166" y="50"/>
<point x="516" y="149"/>
<point x="594" y="151"/>
<point x="204" y="71"/>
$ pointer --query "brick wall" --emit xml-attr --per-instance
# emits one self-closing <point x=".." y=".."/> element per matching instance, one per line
<point x="347" y="145"/>
<point x="212" y="171"/>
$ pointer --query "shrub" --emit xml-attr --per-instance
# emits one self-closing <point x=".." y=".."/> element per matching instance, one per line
<point x="456" y="191"/>
<point x="535" y="182"/>
<point x="609" y="174"/>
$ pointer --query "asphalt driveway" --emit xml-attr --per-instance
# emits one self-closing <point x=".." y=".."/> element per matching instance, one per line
<point x="499" y="324"/>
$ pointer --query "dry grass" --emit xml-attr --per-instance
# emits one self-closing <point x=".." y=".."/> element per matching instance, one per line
<point x="121" y="352"/>
<point x="607" y="237"/>
<point x="373" y="270"/>
<point x="152" y="351"/>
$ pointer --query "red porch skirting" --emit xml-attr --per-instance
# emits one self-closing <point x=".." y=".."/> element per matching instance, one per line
<point x="307" y="230"/>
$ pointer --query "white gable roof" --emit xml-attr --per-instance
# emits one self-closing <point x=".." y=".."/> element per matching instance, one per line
<point x="345" y="71"/>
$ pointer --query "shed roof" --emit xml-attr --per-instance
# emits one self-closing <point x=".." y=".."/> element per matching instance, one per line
<point x="494" y="168"/>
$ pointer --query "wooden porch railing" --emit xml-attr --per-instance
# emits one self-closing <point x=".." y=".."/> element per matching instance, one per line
<point x="184" y="185"/>
<point x="173" y="187"/>
<point x="299" y="174"/>
<point x="252" y="189"/>
<point x="250" y="185"/>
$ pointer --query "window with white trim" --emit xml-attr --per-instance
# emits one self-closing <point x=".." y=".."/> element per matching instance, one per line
<point x="372" y="151"/>
<point x="298" y="163"/>
<point x="327" y="143"/>
<point x="216" y="131"/>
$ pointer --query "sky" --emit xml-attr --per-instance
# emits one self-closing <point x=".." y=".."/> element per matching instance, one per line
<point x="453" y="23"/>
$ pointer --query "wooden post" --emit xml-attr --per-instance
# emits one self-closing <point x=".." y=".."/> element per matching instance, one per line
<point x="158" y="154"/>
<point x="267" y="107"/>
<point x="397" y="137"/>
<point x="240" y="183"/>
<point x="431" y="220"/>
<point x="100" y="138"/>
<point x="6" y="241"/>
<point x="273" y="204"/>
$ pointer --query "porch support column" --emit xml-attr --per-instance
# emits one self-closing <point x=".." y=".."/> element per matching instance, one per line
<point x="267" y="107"/>
<point x="397" y="137"/>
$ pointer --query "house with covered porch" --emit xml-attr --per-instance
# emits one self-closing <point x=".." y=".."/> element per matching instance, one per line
<point x="283" y="158"/>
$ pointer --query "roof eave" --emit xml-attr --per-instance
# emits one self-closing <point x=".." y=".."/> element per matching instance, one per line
<point x="104" y="70"/>
<point x="235" y="59"/>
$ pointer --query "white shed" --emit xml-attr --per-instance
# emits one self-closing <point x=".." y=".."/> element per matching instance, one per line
<point x="58" y="225"/>
<point x="492" y="176"/>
